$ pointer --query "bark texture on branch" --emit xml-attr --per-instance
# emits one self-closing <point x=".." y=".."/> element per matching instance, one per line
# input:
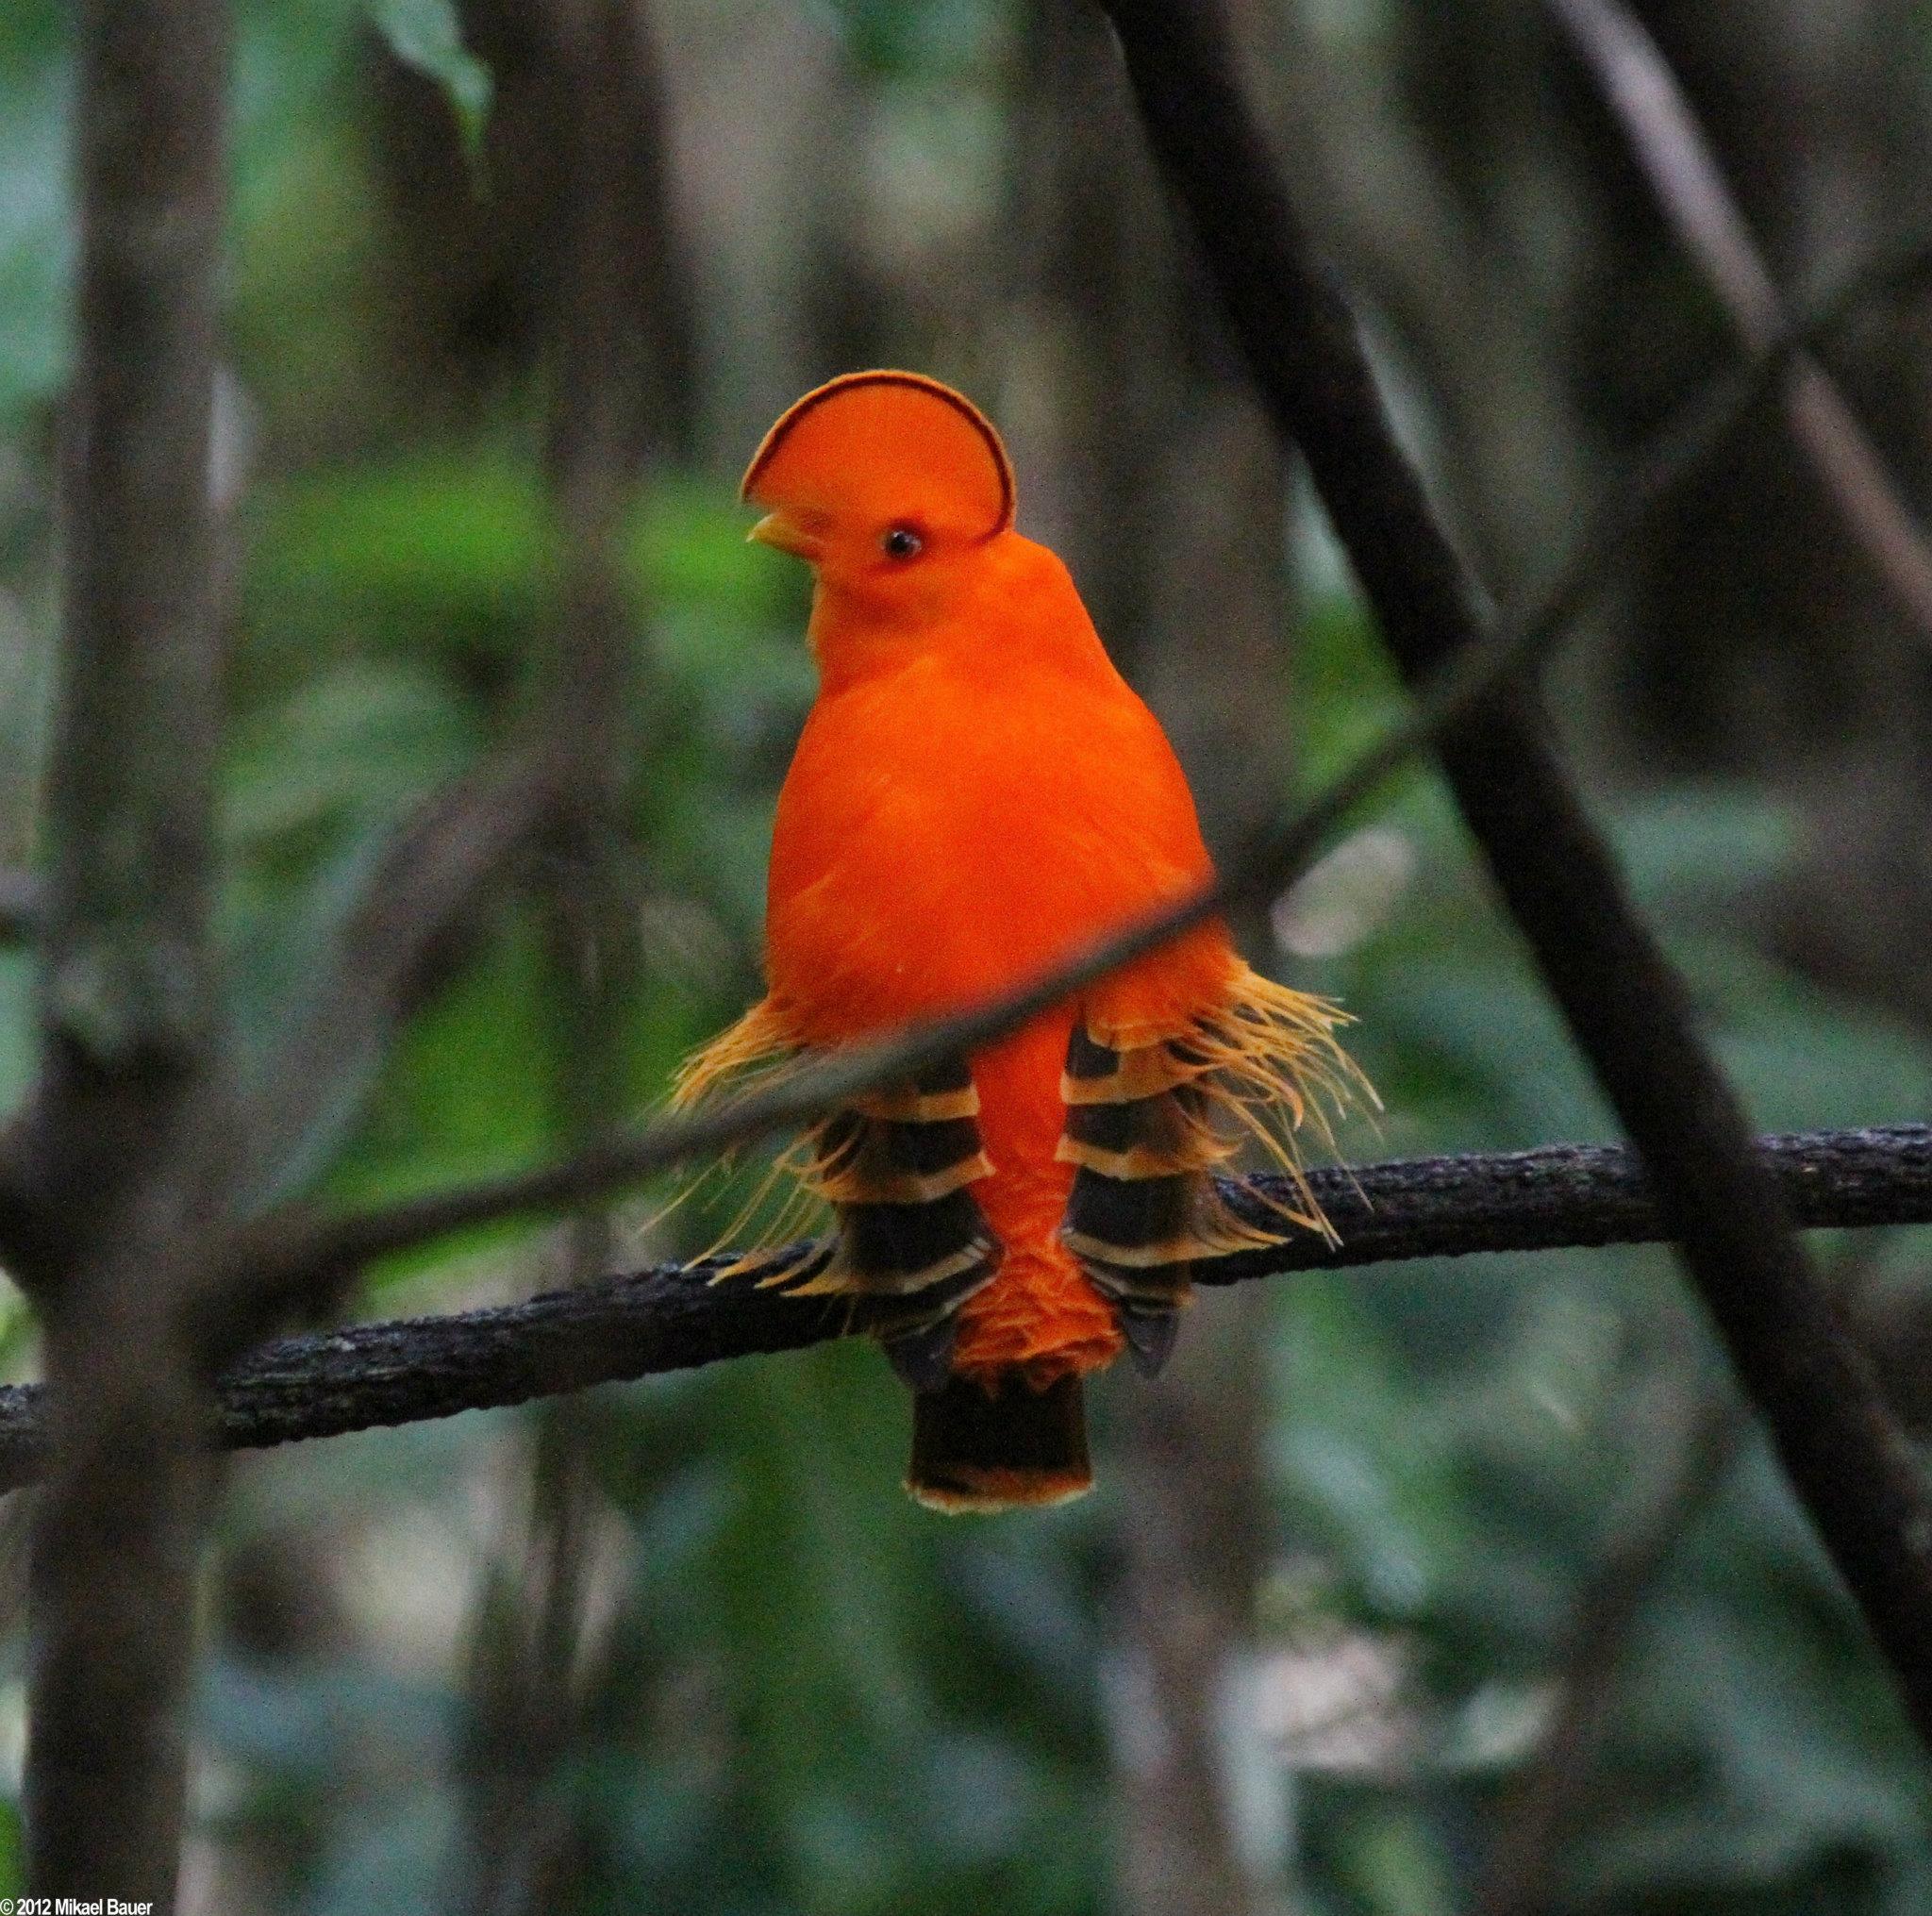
<point x="676" y="1318"/>
<point x="1626" y="1008"/>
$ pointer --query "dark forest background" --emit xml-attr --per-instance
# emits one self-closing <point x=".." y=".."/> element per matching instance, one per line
<point x="1426" y="1589"/>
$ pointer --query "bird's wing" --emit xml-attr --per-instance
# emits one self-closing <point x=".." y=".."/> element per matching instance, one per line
<point x="1148" y="1123"/>
<point x="896" y="1168"/>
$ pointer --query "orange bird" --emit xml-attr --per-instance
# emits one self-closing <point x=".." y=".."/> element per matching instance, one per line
<point x="977" y="793"/>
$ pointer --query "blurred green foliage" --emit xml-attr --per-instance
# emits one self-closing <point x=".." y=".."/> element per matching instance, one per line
<point x="807" y="1695"/>
<point x="428" y="35"/>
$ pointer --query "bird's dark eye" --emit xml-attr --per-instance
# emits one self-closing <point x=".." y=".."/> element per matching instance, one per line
<point x="902" y="543"/>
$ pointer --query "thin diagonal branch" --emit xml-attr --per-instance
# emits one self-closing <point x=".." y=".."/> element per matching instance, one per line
<point x="1670" y="146"/>
<point x="1846" y="1456"/>
<point x="675" y="1317"/>
<point x="283" y="1254"/>
<point x="1693" y="1453"/>
<point x="1523" y="1876"/>
<point x="424" y="894"/>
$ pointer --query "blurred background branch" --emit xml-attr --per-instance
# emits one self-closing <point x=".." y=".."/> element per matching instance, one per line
<point x="1700" y="1434"/>
<point x="423" y="902"/>
<point x="604" y="257"/>
<point x="20" y="905"/>
<point x="1675" y="155"/>
<point x="1524" y="1874"/>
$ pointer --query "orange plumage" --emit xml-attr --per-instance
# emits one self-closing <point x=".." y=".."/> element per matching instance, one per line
<point x="976" y="793"/>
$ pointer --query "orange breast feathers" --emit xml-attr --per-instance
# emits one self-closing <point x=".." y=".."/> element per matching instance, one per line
<point x="976" y="796"/>
<point x="959" y="818"/>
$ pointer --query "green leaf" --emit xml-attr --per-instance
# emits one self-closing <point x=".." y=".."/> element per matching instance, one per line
<point x="425" y="34"/>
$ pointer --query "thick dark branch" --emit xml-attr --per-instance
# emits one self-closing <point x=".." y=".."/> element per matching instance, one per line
<point x="1626" y="1008"/>
<point x="674" y="1318"/>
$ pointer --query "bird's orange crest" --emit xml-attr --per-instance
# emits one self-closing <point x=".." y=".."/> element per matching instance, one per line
<point x="864" y="445"/>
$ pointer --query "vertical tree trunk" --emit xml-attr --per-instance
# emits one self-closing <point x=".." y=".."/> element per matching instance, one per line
<point x="608" y="242"/>
<point x="127" y="1134"/>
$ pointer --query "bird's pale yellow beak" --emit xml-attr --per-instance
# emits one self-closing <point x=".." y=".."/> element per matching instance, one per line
<point x="786" y="533"/>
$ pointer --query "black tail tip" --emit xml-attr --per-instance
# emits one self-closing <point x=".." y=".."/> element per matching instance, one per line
<point x="979" y="1452"/>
